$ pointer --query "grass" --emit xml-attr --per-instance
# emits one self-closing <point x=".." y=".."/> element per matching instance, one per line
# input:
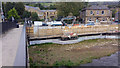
<point x="50" y="54"/>
<point x="63" y="63"/>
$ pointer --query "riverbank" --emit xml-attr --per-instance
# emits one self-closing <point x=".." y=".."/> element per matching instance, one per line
<point x="51" y="54"/>
<point x="105" y="61"/>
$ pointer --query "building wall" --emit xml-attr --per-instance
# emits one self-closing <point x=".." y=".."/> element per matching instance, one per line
<point x="97" y="16"/>
<point x="106" y="13"/>
<point x="49" y="14"/>
<point x="41" y="14"/>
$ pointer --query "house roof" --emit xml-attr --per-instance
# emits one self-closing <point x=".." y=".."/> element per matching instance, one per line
<point x="97" y="7"/>
<point x="28" y="7"/>
<point x="48" y="10"/>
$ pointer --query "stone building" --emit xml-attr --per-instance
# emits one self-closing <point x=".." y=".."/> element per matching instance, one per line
<point x="42" y="14"/>
<point x="97" y="14"/>
<point x="117" y="14"/>
<point x="48" y="14"/>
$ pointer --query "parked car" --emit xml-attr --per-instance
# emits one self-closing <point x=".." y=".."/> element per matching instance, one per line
<point x="38" y="23"/>
<point x="90" y="23"/>
<point x="44" y="24"/>
<point x="57" y="23"/>
<point x="64" y="24"/>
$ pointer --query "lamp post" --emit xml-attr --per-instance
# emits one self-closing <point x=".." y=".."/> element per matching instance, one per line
<point x="2" y="16"/>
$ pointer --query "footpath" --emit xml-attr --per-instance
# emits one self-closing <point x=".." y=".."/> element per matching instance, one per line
<point x="10" y="45"/>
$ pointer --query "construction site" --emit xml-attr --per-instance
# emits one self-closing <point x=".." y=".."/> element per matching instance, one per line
<point x="58" y="31"/>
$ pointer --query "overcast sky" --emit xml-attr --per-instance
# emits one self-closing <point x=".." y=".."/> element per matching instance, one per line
<point x="102" y="0"/>
<point x="58" y="0"/>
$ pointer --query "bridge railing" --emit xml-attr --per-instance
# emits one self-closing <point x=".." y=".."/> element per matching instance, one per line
<point x="5" y="26"/>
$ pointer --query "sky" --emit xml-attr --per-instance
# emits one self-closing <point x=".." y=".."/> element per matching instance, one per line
<point x="102" y="0"/>
<point x="58" y="0"/>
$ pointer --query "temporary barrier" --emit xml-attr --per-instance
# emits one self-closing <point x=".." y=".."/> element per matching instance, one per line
<point x="54" y="31"/>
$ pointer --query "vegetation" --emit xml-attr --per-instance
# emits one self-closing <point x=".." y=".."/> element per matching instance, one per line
<point x="64" y="8"/>
<point x="50" y="54"/>
<point x="34" y="16"/>
<point x="19" y="6"/>
<point x="43" y="6"/>
<point x="13" y="13"/>
<point x="26" y="14"/>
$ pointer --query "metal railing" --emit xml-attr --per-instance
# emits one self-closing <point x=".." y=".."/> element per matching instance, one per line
<point x="5" y="26"/>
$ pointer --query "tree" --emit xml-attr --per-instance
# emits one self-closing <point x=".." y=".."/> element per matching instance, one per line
<point x="51" y="7"/>
<point x="113" y="13"/>
<point x="19" y="6"/>
<point x="26" y="14"/>
<point x="7" y="7"/>
<point x="39" y="5"/>
<point x="34" y="16"/>
<point x="64" y="8"/>
<point x="13" y="13"/>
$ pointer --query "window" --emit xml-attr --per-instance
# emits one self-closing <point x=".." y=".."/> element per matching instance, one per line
<point x="102" y="12"/>
<point x="91" y="12"/>
<point x="97" y="12"/>
<point x="90" y="19"/>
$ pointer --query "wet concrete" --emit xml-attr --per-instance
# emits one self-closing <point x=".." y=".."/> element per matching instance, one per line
<point x="58" y="41"/>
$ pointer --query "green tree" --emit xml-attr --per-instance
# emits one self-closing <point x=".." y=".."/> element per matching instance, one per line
<point x="113" y="13"/>
<point x="52" y="7"/>
<point x="64" y="8"/>
<point x="26" y="14"/>
<point x="39" y="5"/>
<point x="13" y="13"/>
<point x="34" y="16"/>
<point x="19" y="6"/>
<point x="7" y="7"/>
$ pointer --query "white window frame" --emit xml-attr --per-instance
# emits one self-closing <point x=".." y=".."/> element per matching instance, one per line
<point x="97" y="12"/>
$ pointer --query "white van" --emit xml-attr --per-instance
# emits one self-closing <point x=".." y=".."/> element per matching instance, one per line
<point x="57" y="23"/>
<point x="37" y="23"/>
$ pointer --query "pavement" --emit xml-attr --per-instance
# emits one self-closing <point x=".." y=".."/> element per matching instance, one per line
<point x="10" y="43"/>
<point x="0" y="50"/>
<point x="20" y="59"/>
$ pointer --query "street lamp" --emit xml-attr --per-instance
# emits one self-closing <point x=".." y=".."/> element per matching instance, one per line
<point x="2" y="16"/>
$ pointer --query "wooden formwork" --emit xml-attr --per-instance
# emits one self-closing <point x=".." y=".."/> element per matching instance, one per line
<point x="58" y="31"/>
<point x="29" y="31"/>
